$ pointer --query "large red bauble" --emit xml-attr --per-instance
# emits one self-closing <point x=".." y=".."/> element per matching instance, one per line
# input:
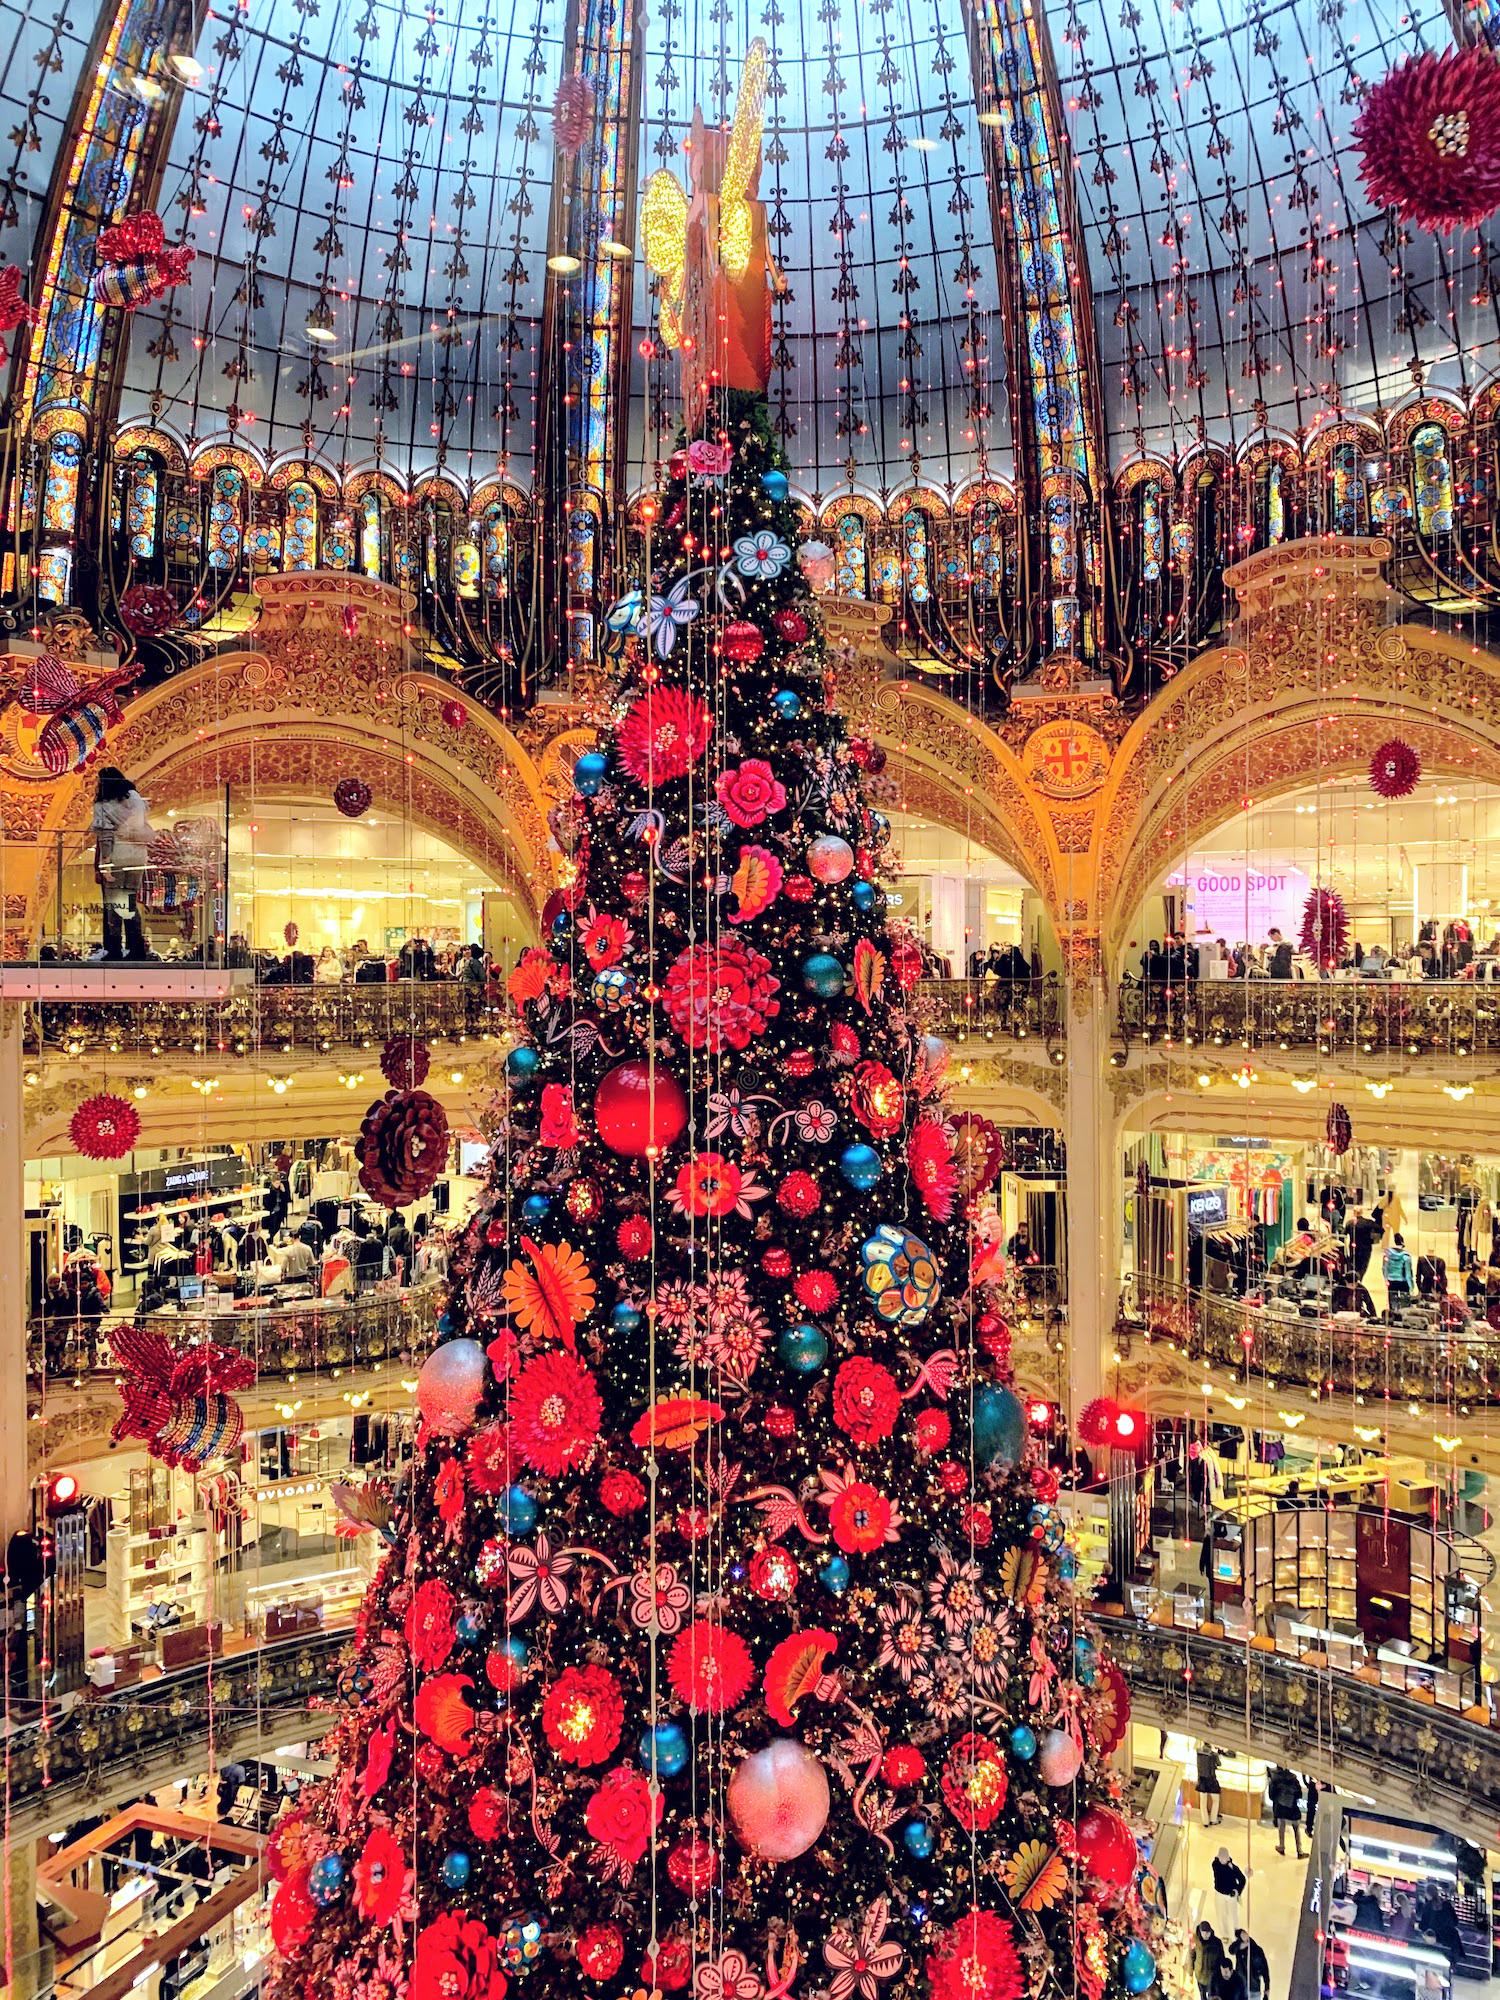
<point x="1106" y="1848"/>
<point x="637" y="1107"/>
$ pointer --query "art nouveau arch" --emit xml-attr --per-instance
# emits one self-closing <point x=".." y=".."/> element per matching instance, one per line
<point x="1314" y="678"/>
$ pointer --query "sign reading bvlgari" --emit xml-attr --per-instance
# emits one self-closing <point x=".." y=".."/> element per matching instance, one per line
<point x="1065" y="760"/>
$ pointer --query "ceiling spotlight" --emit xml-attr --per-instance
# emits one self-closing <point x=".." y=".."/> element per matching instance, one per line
<point x="1304" y="1084"/>
<point x="565" y="266"/>
<point x="991" y="118"/>
<point x="1379" y="1090"/>
<point x="187" y="69"/>
<point x="320" y="323"/>
<point x="1458" y="1091"/>
<point x="613" y="247"/>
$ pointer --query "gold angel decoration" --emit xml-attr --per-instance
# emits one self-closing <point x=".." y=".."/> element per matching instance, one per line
<point x="709" y="251"/>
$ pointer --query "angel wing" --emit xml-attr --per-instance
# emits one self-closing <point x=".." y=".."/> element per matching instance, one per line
<point x="742" y="163"/>
<point x="664" y="214"/>
<point x="49" y="686"/>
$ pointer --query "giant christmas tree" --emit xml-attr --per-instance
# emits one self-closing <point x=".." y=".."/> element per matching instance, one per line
<point x="727" y="1639"/>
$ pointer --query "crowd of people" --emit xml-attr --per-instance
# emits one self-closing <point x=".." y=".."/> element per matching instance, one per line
<point x="1446" y="952"/>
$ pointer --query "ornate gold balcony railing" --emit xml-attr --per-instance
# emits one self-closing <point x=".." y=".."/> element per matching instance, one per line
<point x="1370" y="1019"/>
<point x="1443" y="1365"/>
<point x="1023" y="1009"/>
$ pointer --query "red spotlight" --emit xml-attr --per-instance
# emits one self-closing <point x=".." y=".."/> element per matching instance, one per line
<point x="1039" y="1415"/>
<point x="62" y="1492"/>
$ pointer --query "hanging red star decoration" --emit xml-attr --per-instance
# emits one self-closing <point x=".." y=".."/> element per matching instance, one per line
<point x="1395" y="769"/>
<point x="1429" y="139"/>
<point x="104" y="1127"/>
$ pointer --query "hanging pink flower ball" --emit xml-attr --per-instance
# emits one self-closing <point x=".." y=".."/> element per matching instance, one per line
<point x="572" y="114"/>
<point x="1429" y="139"/>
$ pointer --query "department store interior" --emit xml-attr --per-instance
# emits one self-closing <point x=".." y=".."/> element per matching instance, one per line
<point x="1136" y="376"/>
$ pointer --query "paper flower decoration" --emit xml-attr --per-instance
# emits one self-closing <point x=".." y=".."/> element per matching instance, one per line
<point x="149" y="609"/>
<point x="665" y="617"/>
<point x="404" y="1062"/>
<point x="402" y="1146"/>
<point x="572" y="112"/>
<point x="1325" y="927"/>
<point x="1429" y="139"/>
<point x="135" y="264"/>
<point x="664" y="734"/>
<point x="104" y="1127"/>
<point x="1395" y="769"/>
<point x="554" y="1295"/>
<point x="762" y="555"/>
<point x="1340" y="1130"/>
<point x="352" y="796"/>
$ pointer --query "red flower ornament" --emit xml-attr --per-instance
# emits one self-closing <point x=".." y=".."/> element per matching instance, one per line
<point x="104" y="1127"/>
<point x="709" y="1667"/>
<point x="663" y="736"/>
<point x="583" y="1715"/>
<point x="1429" y="139"/>
<point x="1395" y="769"/>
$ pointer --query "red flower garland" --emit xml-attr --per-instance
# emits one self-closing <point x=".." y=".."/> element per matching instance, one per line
<point x="1429" y="139"/>
<point x="1395" y="769"/>
<point x="104" y="1127"/>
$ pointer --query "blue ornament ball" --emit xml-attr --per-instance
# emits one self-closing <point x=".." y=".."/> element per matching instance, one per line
<point x="519" y="1510"/>
<point x="535" y="1206"/>
<point x="834" y="1576"/>
<point x="1023" y="1742"/>
<point x="860" y="1166"/>
<point x="775" y="485"/>
<point x="670" y="1743"/>
<point x="864" y="895"/>
<point x="804" y="1349"/>
<point x="823" y="975"/>
<point x="627" y="1318"/>
<point x="447" y="1323"/>
<point x="999" y="1426"/>
<point x="456" y="1869"/>
<point x="787" y="703"/>
<point x="1138" y="1967"/>
<point x="590" y="772"/>
<point x="522" y="1064"/>
<point x="468" y="1628"/>
<point x="919" y="1839"/>
<point x="325" y="1881"/>
<point x="515" y="1650"/>
<point x="1067" y="1564"/>
<point x="560" y="922"/>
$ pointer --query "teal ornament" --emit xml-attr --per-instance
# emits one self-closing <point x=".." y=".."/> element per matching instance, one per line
<point x="1023" y="1742"/>
<point x="516" y="1651"/>
<point x="521" y="1944"/>
<point x="775" y="485"/>
<point x="325" y="1881"/>
<point x="589" y="773"/>
<point x="522" y="1064"/>
<point x="864" y="896"/>
<point x="803" y="1349"/>
<point x="787" y="703"/>
<point x="1067" y="1564"/>
<point x="668" y="1741"/>
<point x="535" y="1207"/>
<point x="627" y="1318"/>
<point x="1138" y="1967"/>
<point x="823" y="975"/>
<point x="860" y="1166"/>
<point x="468" y="1628"/>
<point x="612" y="989"/>
<point x="518" y="1510"/>
<point x="919" y="1839"/>
<point x="900" y="1276"/>
<point x="456" y="1870"/>
<point x="999" y="1426"/>
<point x="834" y="1576"/>
<point x="560" y="921"/>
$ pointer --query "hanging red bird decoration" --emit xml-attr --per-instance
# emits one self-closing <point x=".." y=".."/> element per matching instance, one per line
<point x="136" y="264"/>
<point x="79" y="713"/>
<point x="1429" y="139"/>
<point x="14" y="310"/>
<point x="179" y="1402"/>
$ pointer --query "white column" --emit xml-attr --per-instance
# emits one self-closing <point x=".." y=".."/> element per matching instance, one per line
<point x="1093" y="1186"/>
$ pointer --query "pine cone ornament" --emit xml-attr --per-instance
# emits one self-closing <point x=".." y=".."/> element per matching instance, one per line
<point x="1340" y="1129"/>
<point x="402" y="1146"/>
<point x="404" y="1062"/>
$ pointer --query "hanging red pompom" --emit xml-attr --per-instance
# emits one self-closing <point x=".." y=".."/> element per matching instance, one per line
<point x="148" y="609"/>
<point x="352" y="796"/>
<point x="1096" y="1421"/>
<point x="1340" y="1129"/>
<point x="742" y="643"/>
<point x="1395" y="769"/>
<point x="291" y="932"/>
<point x="572" y="114"/>
<point x="404" y="1062"/>
<point x="1429" y="139"/>
<point x="104" y="1127"/>
<point x="1325" y="928"/>
<point x="454" y="714"/>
